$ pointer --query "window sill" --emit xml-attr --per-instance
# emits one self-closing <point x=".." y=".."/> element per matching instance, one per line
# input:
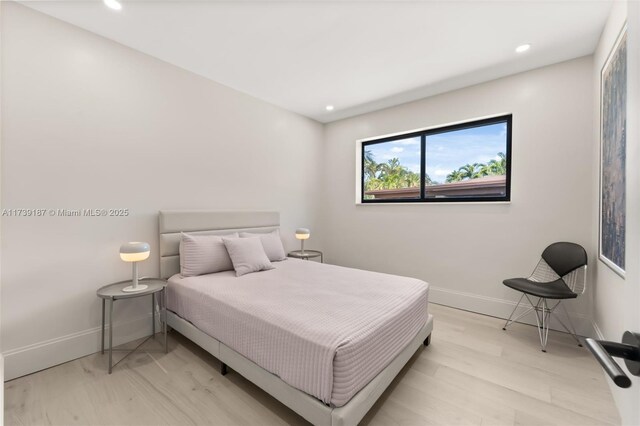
<point x="435" y="203"/>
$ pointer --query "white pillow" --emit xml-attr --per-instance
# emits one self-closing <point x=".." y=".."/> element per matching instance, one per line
<point x="272" y="244"/>
<point x="247" y="255"/>
<point x="204" y="254"/>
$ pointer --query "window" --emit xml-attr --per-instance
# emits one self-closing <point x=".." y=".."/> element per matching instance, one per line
<point x="457" y="163"/>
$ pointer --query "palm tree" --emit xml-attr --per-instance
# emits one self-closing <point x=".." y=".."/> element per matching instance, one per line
<point x="373" y="184"/>
<point x="391" y="173"/>
<point x="394" y="175"/>
<point x="500" y="165"/>
<point x="412" y="180"/>
<point x="488" y="169"/>
<point x="495" y="167"/>
<point x="371" y="168"/>
<point x="368" y="156"/>
<point x="392" y="166"/>
<point x="478" y="170"/>
<point x="471" y="171"/>
<point x="428" y="180"/>
<point x="455" y="176"/>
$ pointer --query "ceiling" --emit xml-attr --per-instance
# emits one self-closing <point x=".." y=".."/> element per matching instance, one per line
<point x="359" y="56"/>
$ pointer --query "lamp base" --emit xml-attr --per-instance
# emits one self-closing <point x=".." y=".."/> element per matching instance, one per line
<point x="131" y="289"/>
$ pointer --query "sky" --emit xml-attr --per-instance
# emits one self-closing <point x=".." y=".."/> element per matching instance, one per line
<point x="445" y="151"/>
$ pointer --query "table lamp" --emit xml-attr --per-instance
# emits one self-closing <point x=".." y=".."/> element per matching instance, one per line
<point x="302" y="234"/>
<point x="134" y="252"/>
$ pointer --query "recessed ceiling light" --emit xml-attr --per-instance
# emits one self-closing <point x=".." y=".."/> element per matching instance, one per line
<point x="523" y="48"/>
<point x="329" y="107"/>
<point x="113" y="4"/>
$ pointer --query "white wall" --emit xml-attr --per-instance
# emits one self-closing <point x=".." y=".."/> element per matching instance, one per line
<point x="1" y="356"/>
<point x="89" y="123"/>
<point x="616" y="300"/>
<point x="465" y="250"/>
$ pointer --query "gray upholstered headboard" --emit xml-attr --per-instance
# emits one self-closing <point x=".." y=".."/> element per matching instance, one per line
<point x="173" y="222"/>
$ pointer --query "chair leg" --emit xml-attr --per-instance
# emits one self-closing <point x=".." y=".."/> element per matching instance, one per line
<point x="545" y="325"/>
<point x="542" y="320"/>
<point x="571" y="329"/>
<point x="513" y="312"/>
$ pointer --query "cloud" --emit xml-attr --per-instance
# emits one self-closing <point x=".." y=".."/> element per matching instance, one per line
<point x="484" y="159"/>
<point x="397" y="149"/>
<point x="412" y="141"/>
<point x="414" y="167"/>
<point x="455" y="149"/>
<point x="439" y="172"/>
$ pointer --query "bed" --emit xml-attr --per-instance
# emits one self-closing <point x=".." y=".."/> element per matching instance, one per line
<point x="328" y="349"/>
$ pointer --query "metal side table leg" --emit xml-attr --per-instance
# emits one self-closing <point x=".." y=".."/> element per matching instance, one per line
<point x="102" y="340"/>
<point x="110" y="332"/>
<point x="153" y="314"/>
<point x="164" y="322"/>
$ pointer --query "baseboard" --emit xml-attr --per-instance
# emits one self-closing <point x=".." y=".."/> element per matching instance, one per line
<point x="29" y="359"/>
<point x="597" y="331"/>
<point x="502" y="308"/>
<point x="1" y="387"/>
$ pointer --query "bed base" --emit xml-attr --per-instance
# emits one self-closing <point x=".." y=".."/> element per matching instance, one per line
<point x="305" y="405"/>
<point x="170" y="226"/>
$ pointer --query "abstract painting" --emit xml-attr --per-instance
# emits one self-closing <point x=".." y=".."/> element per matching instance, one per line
<point x="613" y="133"/>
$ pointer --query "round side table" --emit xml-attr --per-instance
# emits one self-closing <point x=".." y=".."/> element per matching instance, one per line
<point x="113" y="292"/>
<point x="306" y="255"/>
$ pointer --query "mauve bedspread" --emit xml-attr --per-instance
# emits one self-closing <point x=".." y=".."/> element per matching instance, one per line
<point x="323" y="329"/>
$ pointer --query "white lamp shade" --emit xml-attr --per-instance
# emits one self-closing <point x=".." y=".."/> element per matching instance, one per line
<point x="302" y="233"/>
<point x="134" y="251"/>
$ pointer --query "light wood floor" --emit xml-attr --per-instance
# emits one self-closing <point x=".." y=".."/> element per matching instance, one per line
<point x="472" y="374"/>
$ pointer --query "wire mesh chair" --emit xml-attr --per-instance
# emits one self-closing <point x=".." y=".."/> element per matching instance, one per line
<point x="560" y="274"/>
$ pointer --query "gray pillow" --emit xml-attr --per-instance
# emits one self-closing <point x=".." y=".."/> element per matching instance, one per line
<point x="204" y="254"/>
<point x="247" y="255"/>
<point x="271" y="242"/>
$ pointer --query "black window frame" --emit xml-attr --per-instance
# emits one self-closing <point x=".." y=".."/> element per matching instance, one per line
<point x="507" y="119"/>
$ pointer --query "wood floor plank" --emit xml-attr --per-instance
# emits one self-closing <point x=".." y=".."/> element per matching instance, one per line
<point x="462" y="337"/>
<point x="591" y="404"/>
<point x="518" y="401"/>
<point x="394" y="414"/>
<point x="437" y="410"/>
<point x="492" y="369"/>
<point x="473" y="373"/>
<point x="474" y="403"/>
